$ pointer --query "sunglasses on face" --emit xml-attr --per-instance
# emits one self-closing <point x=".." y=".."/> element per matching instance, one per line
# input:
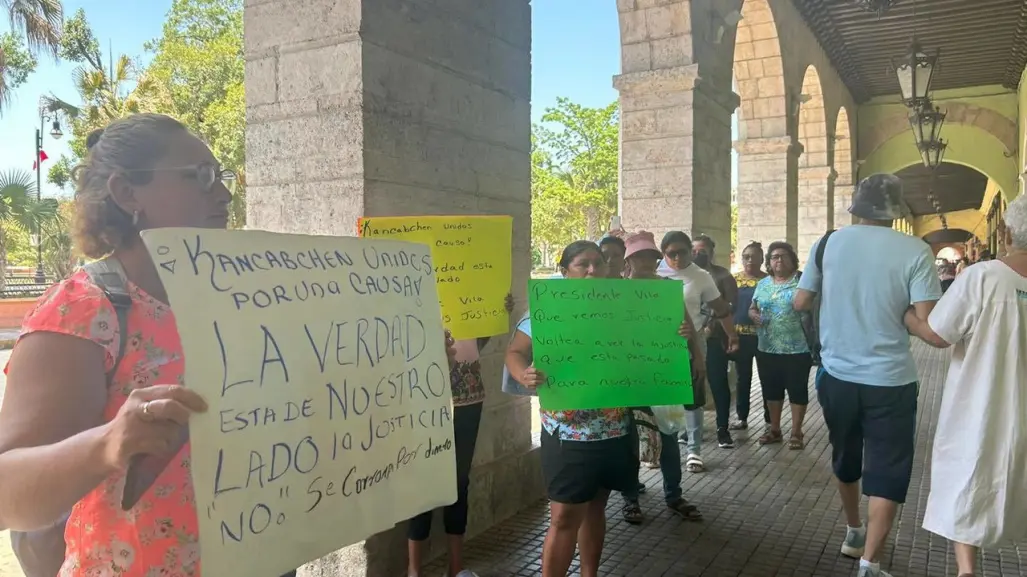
<point x="777" y="256"/>
<point x="676" y="254"/>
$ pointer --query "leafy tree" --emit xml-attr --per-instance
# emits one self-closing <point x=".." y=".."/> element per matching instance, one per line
<point x="554" y="221"/>
<point x="40" y="21"/>
<point x="198" y="70"/>
<point x="16" y="63"/>
<point x="20" y="211"/>
<point x="108" y="90"/>
<point x="584" y="143"/>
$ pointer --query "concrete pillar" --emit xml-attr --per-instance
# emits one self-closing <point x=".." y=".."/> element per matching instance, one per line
<point x="675" y="123"/>
<point x="768" y="190"/>
<point x="816" y="205"/>
<point x="399" y="107"/>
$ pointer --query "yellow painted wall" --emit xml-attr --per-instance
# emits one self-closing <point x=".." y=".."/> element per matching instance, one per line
<point x="971" y="220"/>
<point x="967" y="145"/>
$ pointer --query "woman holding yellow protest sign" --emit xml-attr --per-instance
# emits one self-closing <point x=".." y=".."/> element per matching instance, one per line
<point x="468" y="396"/>
<point x="95" y="380"/>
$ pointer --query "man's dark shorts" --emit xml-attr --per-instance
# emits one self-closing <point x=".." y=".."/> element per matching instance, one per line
<point x="873" y="434"/>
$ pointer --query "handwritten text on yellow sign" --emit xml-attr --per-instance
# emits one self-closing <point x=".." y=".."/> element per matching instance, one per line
<point x="472" y="265"/>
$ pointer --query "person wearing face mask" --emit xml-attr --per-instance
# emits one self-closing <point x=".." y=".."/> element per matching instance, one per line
<point x="699" y="290"/>
<point x="718" y="342"/>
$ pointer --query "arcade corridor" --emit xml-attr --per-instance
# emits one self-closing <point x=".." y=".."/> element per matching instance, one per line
<point x="768" y="512"/>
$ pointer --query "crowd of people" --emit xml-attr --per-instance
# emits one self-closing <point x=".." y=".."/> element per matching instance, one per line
<point x="91" y="386"/>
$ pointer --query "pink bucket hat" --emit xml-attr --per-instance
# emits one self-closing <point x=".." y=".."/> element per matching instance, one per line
<point x="641" y="241"/>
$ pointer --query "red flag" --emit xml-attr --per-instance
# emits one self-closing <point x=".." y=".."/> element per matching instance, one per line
<point x="42" y="157"/>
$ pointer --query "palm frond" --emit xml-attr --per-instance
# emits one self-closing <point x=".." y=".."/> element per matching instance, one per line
<point x="42" y="22"/>
<point x="52" y="103"/>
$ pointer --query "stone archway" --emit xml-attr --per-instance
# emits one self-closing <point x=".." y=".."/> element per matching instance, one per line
<point x="842" y="161"/>
<point x="816" y="175"/>
<point x="767" y="153"/>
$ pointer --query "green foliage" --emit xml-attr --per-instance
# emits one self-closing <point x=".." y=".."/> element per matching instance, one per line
<point x="19" y="214"/>
<point x="198" y="68"/>
<point x="16" y="62"/>
<point x="574" y="163"/>
<point x="107" y="90"/>
<point x="37" y="23"/>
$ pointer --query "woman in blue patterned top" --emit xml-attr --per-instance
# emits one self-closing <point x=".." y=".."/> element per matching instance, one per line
<point x="585" y="453"/>
<point x="783" y="359"/>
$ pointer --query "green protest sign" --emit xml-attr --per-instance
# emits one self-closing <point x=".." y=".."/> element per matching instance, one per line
<point x="609" y="343"/>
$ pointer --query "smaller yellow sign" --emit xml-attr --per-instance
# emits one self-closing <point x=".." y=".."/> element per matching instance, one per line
<point x="472" y="265"/>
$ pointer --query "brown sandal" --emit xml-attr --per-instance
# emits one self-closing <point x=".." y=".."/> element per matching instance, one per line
<point x="685" y="510"/>
<point x="771" y="437"/>
<point x="796" y="443"/>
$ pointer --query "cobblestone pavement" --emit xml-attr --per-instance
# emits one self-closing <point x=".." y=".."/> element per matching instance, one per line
<point x="768" y="512"/>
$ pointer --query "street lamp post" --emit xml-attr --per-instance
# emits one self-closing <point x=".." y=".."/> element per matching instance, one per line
<point x="55" y="133"/>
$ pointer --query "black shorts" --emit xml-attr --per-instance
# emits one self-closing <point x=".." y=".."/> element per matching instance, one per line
<point x="784" y="373"/>
<point x="873" y="434"/>
<point x="576" y="471"/>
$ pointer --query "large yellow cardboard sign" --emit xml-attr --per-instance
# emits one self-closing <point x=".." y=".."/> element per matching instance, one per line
<point x="323" y="362"/>
<point x="472" y="265"/>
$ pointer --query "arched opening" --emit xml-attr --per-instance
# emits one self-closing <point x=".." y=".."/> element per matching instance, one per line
<point x="816" y="202"/>
<point x="766" y="211"/>
<point x="843" y="169"/>
<point x="968" y="145"/>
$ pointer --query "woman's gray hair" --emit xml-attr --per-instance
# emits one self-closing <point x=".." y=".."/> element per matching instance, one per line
<point x="1016" y="220"/>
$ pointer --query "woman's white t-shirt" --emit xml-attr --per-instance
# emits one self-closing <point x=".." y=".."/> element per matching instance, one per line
<point x="979" y="468"/>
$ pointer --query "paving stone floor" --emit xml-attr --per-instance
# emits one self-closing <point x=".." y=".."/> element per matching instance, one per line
<point x="768" y="512"/>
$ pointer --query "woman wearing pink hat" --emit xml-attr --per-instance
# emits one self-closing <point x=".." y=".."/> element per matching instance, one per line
<point x="641" y="259"/>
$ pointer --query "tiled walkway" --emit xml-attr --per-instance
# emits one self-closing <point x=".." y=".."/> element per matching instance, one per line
<point x="768" y="512"/>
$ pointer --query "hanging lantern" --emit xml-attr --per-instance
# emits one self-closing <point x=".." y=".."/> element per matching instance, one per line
<point x="932" y="153"/>
<point x="926" y="123"/>
<point x="877" y="6"/>
<point x="915" y="73"/>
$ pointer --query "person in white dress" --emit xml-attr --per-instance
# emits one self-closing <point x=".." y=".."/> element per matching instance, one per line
<point x="979" y="468"/>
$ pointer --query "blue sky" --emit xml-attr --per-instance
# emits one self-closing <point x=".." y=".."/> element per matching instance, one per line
<point x="575" y="53"/>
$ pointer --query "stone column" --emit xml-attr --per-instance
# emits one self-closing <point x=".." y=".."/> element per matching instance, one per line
<point x="842" y="201"/>
<point x="768" y="190"/>
<point x="675" y="126"/>
<point x="675" y="156"/>
<point x="816" y="205"/>
<point x="399" y="107"/>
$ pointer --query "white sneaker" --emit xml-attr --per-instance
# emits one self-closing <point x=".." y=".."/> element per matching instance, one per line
<point x="855" y="541"/>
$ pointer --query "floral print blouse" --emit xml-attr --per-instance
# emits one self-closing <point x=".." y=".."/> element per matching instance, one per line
<point x="465" y="378"/>
<point x="581" y="425"/>
<point x="157" y="537"/>
<point x="781" y="332"/>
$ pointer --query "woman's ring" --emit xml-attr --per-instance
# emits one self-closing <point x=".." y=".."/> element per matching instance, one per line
<point x="147" y="415"/>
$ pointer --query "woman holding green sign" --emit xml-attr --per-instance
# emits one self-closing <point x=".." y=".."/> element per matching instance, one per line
<point x="642" y="258"/>
<point x="585" y="453"/>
